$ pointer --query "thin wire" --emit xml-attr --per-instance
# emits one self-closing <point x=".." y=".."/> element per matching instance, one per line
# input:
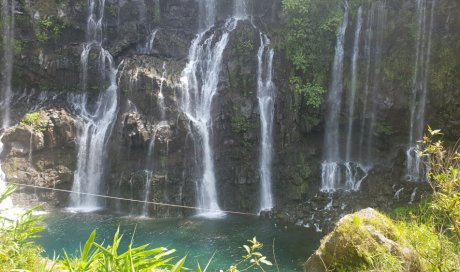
<point x="131" y="200"/>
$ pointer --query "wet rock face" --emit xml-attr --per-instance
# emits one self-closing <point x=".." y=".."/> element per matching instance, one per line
<point x="152" y="134"/>
<point x="41" y="151"/>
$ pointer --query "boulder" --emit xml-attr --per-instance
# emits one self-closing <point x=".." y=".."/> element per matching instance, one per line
<point x="365" y="241"/>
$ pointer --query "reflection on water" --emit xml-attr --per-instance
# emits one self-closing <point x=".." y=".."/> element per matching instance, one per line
<point x="198" y="238"/>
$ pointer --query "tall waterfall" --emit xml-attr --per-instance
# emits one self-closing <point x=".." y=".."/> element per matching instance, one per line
<point x="355" y="167"/>
<point x="6" y="76"/>
<point x="425" y="20"/>
<point x="354" y="81"/>
<point x="266" y="98"/>
<point x="330" y="175"/>
<point x="8" y="58"/>
<point x="373" y="52"/>
<point x="347" y="165"/>
<point x="199" y="83"/>
<point x="98" y="119"/>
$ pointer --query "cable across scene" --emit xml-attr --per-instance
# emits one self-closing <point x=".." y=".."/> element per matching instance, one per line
<point x="131" y="200"/>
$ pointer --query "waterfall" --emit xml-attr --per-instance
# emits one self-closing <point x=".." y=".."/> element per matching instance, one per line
<point x="147" y="48"/>
<point x="266" y="98"/>
<point x="98" y="120"/>
<point x="8" y="58"/>
<point x="147" y="189"/>
<point x="330" y="173"/>
<point x="161" y="97"/>
<point x="240" y="9"/>
<point x="6" y="76"/>
<point x="425" y="21"/>
<point x="348" y="170"/>
<point x="149" y="168"/>
<point x="207" y="13"/>
<point x="355" y="167"/>
<point x="354" y="79"/>
<point x="199" y="82"/>
<point x="376" y="31"/>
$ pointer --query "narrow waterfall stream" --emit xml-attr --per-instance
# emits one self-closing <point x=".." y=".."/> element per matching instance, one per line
<point x="98" y="121"/>
<point x="240" y="9"/>
<point x="148" y="46"/>
<point x="7" y="60"/>
<point x="425" y="14"/>
<point x="7" y="21"/>
<point x="330" y="173"/>
<point x="355" y="171"/>
<point x="266" y="98"/>
<point x="161" y="97"/>
<point x="354" y="82"/>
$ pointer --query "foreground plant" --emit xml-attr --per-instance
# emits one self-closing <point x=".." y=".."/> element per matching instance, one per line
<point x="443" y="173"/>
<point x="17" y="248"/>
<point x="252" y="259"/>
<point x="98" y="257"/>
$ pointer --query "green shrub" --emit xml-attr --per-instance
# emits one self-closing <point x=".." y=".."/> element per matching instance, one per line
<point x="17" y="249"/>
<point x="34" y="120"/>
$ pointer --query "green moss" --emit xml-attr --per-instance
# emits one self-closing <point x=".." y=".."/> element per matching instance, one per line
<point x="240" y="124"/>
<point x="370" y="241"/>
<point x="244" y="43"/>
<point x="48" y="29"/>
<point x="34" y="120"/>
<point x="383" y="129"/>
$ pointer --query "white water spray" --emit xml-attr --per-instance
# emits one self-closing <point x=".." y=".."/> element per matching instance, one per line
<point x="266" y="98"/>
<point x="98" y="121"/>
<point x="199" y="80"/>
<point x="6" y="76"/>
<point x="425" y="20"/>
<point x="330" y="175"/>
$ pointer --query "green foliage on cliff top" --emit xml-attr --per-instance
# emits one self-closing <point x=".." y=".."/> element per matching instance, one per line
<point x="34" y="120"/>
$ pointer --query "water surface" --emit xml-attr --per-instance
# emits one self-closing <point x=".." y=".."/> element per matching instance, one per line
<point x="198" y="238"/>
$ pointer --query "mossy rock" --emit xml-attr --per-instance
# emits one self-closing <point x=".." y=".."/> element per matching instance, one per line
<point x="365" y="241"/>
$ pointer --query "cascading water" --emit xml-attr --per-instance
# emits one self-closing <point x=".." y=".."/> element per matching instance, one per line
<point x="147" y="48"/>
<point x="207" y="12"/>
<point x="354" y="81"/>
<point x="347" y="171"/>
<point x="330" y="173"/>
<point x="374" y="45"/>
<point x="98" y="120"/>
<point x="199" y="82"/>
<point x="425" y="20"/>
<point x="161" y="97"/>
<point x="240" y="9"/>
<point x="355" y="170"/>
<point x="266" y="98"/>
<point x="7" y="61"/>
<point x="6" y="76"/>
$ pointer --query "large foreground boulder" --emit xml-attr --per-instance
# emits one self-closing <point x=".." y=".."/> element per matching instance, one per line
<point x="365" y="241"/>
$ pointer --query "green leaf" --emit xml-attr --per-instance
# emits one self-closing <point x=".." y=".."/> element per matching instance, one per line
<point x="178" y="266"/>
<point x="88" y="245"/>
<point x="248" y="250"/>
